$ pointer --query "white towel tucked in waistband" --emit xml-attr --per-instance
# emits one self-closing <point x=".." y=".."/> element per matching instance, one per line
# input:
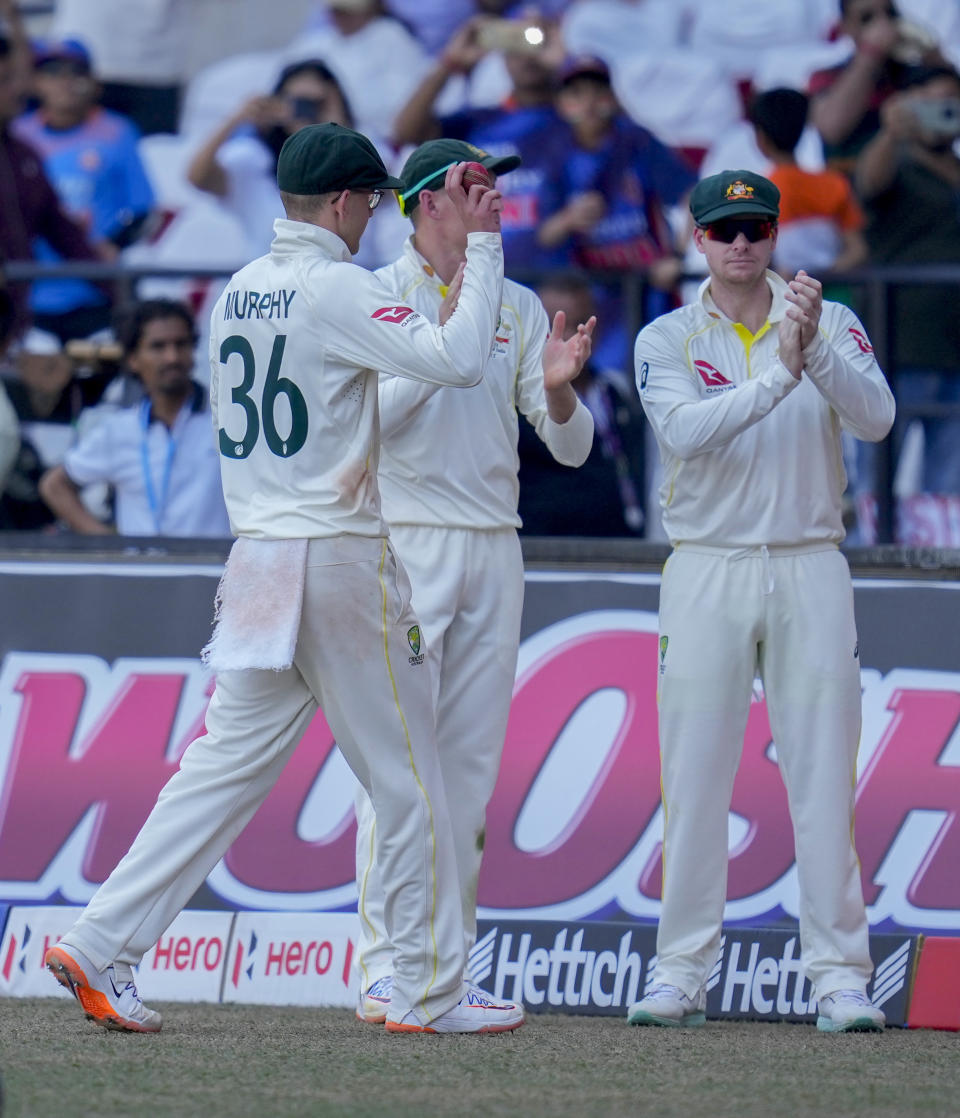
<point x="258" y="606"/>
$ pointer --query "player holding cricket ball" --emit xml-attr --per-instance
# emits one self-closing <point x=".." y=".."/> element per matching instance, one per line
<point x="449" y="489"/>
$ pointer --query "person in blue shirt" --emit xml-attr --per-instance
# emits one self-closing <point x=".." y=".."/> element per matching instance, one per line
<point x="90" y="155"/>
<point x="606" y="209"/>
<point x="525" y="124"/>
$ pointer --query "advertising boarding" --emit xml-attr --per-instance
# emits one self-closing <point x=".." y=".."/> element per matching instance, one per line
<point x="101" y="690"/>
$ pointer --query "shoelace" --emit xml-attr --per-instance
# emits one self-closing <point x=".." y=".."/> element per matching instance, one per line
<point x="665" y="991"/>
<point x="851" y="996"/>
<point x="475" y="997"/>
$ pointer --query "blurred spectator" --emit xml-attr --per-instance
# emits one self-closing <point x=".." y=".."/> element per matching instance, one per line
<point x="9" y="442"/>
<point x="139" y="49"/>
<point x="434" y="22"/>
<point x="821" y="223"/>
<point x="908" y="177"/>
<point x="526" y="124"/>
<point x="159" y="455"/>
<point x="90" y="155"/>
<point x="846" y="99"/>
<point x="605" y="206"/>
<point x="940" y="18"/>
<point x="603" y="497"/>
<point x="737" y="33"/>
<point x="613" y="29"/>
<point x="376" y="59"/>
<point x="9" y="428"/>
<point x="238" y="163"/>
<point x="29" y="206"/>
<point x="48" y="396"/>
<point x="614" y="185"/>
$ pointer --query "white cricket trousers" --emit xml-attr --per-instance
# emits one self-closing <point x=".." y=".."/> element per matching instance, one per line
<point x="354" y="659"/>
<point x="724" y="614"/>
<point x="468" y="593"/>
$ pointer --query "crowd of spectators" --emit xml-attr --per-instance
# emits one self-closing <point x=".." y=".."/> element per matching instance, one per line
<point x="111" y="153"/>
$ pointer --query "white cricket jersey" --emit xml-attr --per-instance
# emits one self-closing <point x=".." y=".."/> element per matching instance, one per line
<point x="449" y="459"/>
<point x="296" y="340"/>
<point x="750" y="455"/>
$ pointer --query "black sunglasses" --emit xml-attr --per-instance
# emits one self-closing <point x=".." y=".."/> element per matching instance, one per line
<point x="727" y="230"/>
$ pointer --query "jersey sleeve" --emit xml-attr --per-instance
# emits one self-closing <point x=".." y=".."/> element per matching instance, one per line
<point x="89" y="460"/>
<point x="376" y="330"/>
<point x="684" y="422"/>
<point x="569" y="442"/>
<point x="841" y="364"/>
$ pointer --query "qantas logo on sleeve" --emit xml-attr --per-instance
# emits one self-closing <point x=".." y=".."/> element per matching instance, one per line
<point x="862" y="340"/>
<point x="398" y="315"/>
<point x="710" y="376"/>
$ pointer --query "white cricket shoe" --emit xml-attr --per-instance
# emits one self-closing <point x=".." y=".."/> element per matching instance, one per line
<point x="669" y="1005"/>
<point x="849" y="1011"/>
<point x="476" y="1012"/>
<point x="109" y="998"/>
<point x="373" y="1003"/>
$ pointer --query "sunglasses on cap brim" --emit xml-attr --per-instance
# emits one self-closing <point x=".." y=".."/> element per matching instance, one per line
<point x="727" y="229"/>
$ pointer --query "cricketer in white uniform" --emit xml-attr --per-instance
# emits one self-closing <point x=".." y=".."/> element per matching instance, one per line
<point x="314" y="606"/>
<point x="448" y="480"/>
<point x="747" y="390"/>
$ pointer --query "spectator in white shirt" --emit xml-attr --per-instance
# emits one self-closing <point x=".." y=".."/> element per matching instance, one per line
<point x="159" y="456"/>
<point x="378" y="61"/>
<point x="238" y="162"/>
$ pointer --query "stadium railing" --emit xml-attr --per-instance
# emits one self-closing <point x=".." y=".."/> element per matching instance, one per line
<point x="868" y="290"/>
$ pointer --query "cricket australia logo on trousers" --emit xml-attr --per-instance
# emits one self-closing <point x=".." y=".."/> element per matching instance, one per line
<point x="413" y="639"/>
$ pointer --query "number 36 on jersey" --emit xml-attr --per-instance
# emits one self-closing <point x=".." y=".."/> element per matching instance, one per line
<point x="281" y="405"/>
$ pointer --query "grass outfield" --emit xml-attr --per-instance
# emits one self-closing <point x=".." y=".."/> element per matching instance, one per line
<point x="282" y="1062"/>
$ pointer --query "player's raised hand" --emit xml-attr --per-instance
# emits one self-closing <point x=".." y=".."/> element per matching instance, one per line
<point x="452" y="297"/>
<point x="791" y="351"/>
<point x="805" y="296"/>
<point x="479" y="206"/>
<point x="564" y="358"/>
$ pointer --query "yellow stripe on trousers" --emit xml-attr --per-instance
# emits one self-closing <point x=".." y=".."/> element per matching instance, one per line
<point x="416" y="775"/>
<point x="362" y="900"/>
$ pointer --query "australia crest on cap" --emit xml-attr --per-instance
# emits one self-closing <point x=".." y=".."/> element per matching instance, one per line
<point x="739" y="191"/>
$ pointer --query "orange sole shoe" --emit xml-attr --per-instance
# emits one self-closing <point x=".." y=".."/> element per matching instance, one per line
<point x="95" y="1004"/>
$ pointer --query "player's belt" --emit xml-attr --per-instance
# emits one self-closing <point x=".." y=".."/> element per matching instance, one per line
<point x="757" y="551"/>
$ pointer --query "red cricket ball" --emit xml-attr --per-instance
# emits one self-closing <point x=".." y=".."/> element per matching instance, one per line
<point x="475" y="174"/>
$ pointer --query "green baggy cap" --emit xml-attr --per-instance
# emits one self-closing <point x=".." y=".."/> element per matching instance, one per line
<point x="733" y="194"/>
<point x="427" y="165"/>
<point x="322" y="158"/>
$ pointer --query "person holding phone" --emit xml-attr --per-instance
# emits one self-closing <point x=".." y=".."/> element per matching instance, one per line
<point x="526" y="124"/>
<point x="908" y="177"/>
<point x="846" y="100"/>
<point x="238" y="163"/>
